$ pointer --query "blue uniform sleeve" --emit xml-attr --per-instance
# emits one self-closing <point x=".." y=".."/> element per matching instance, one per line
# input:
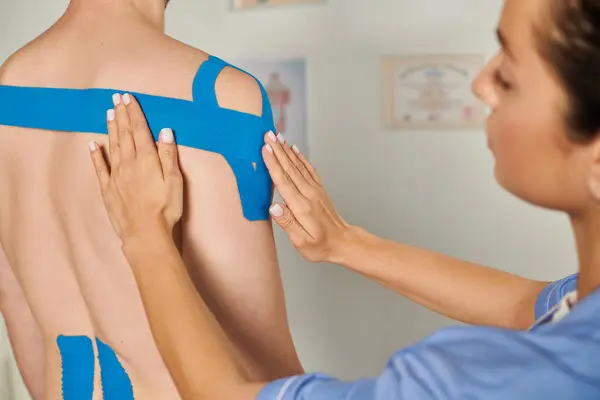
<point x="319" y="387"/>
<point x="467" y="363"/>
<point x="551" y="295"/>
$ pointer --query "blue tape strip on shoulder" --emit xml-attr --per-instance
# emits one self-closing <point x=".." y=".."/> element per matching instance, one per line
<point x="199" y="124"/>
<point x="116" y="384"/>
<point x="77" y="358"/>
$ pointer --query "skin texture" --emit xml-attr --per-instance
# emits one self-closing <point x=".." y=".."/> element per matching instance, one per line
<point x="139" y="169"/>
<point x="534" y="161"/>
<point x="67" y="272"/>
<point x="22" y="329"/>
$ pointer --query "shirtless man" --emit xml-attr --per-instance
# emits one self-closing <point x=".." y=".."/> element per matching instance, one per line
<point x="62" y="271"/>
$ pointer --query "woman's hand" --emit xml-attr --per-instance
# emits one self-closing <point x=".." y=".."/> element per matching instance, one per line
<point x="143" y="188"/>
<point x="312" y="223"/>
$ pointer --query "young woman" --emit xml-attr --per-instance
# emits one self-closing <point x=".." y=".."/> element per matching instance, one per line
<point x="543" y="132"/>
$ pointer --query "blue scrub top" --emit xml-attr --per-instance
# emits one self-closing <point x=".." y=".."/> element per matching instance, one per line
<point x="559" y="360"/>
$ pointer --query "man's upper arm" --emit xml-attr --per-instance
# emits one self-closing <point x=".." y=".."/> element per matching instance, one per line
<point x="239" y="91"/>
<point x="232" y="260"/>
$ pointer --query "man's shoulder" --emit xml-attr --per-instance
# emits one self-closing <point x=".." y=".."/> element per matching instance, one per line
<point x="4" y="72"/>
<point x="24" y="65"/>
<point x="235" y="89"/>
<point x="170" y="69"/>
<point x="238" y="90"/>
<point x="15" y="66"/>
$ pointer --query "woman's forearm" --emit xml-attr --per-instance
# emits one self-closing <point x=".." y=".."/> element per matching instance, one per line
<point x="463" y="291"/>
<point x="195" y="349"/>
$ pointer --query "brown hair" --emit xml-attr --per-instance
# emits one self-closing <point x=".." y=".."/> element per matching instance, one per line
<point x="570" y="43"/>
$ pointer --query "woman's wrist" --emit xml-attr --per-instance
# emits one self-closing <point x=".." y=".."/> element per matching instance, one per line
<point x="352" y="238"/>
<point x="150" y="237"/>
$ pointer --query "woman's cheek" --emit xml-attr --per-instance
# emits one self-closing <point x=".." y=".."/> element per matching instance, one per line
<point x="510" y="140"/>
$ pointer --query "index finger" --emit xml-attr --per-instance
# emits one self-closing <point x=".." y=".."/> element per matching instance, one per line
<point x="307" y="165"/>
<point x="126" y="145"/>
<point x="142" y="136"/>
<point x="282" y="154"/>
<point x="113" y="139"/>
<point x="283" y="182"/>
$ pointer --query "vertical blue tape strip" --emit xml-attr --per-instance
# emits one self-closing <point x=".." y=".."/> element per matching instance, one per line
<point x="77" y="356"/>
<point x="116" y="384"/>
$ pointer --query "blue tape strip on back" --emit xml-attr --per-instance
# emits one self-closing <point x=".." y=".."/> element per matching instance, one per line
<point x="77" y="356"/>
<point x="199" y="124"/>
<point x="116" y="384"/>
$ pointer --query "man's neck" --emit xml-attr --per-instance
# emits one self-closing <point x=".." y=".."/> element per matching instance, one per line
<point x="587" y="237"/>
<point x="113" y="12"/>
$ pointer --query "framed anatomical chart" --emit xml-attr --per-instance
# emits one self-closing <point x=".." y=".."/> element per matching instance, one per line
<point x="285" y="83"/>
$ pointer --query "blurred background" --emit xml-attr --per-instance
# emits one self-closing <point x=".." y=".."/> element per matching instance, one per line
<point x="428" y="188"/>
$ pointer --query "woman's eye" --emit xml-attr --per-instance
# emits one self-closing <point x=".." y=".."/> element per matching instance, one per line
<point x="503" y="83"/>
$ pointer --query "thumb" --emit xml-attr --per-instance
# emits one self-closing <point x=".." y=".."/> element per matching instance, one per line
<point x="286" y="220"/>
<point x="167" y="152"/>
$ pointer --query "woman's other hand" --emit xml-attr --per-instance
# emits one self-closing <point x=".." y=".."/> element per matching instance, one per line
<point x="308" y="216"/>
<point x="142" y="186"/>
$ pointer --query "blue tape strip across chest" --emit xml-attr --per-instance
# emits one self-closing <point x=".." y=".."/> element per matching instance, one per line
<point x="199" y="124"/>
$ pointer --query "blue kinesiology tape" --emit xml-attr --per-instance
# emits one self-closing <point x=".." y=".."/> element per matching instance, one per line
<point x="200" y="123"/>
<point x="77" y="359"/>
<point x="77" y="356"/>
<point x="116" y="384"/>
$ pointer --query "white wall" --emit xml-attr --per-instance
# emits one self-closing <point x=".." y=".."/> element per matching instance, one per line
<point x="431" y="189"/>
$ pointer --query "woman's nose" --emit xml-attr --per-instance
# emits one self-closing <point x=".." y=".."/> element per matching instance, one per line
<point x="483" y="86"/>
<point x="486" y="92"/>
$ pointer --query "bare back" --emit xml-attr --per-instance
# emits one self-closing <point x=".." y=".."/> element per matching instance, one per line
<point x="58" y="242"/>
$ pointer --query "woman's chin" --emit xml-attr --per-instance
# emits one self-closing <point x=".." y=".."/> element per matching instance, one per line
<point x="517" y="189"/>
<point x="535" y="195"/>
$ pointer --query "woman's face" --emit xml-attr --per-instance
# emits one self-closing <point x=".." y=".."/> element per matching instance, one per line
<point x="526" y="129"/>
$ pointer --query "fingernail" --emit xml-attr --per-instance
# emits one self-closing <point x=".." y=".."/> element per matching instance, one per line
<point x="110" y="115"/>
<point x="116" y="99"/>
<point x="280" y="138"/>
<point x="269" y="148"/>
<point x="296" y="149"/>
<point x="276" y="211"/>
<point x="272" y="137"/>
<point x="92" y="146"/>
<point x="126" y="99"/>
<point x="166" y="136"/>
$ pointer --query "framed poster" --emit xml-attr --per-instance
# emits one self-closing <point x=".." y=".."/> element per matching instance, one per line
<point x="431" y="92"/>
<point x="285" y="83"/>
<point x="248" y="4"/>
